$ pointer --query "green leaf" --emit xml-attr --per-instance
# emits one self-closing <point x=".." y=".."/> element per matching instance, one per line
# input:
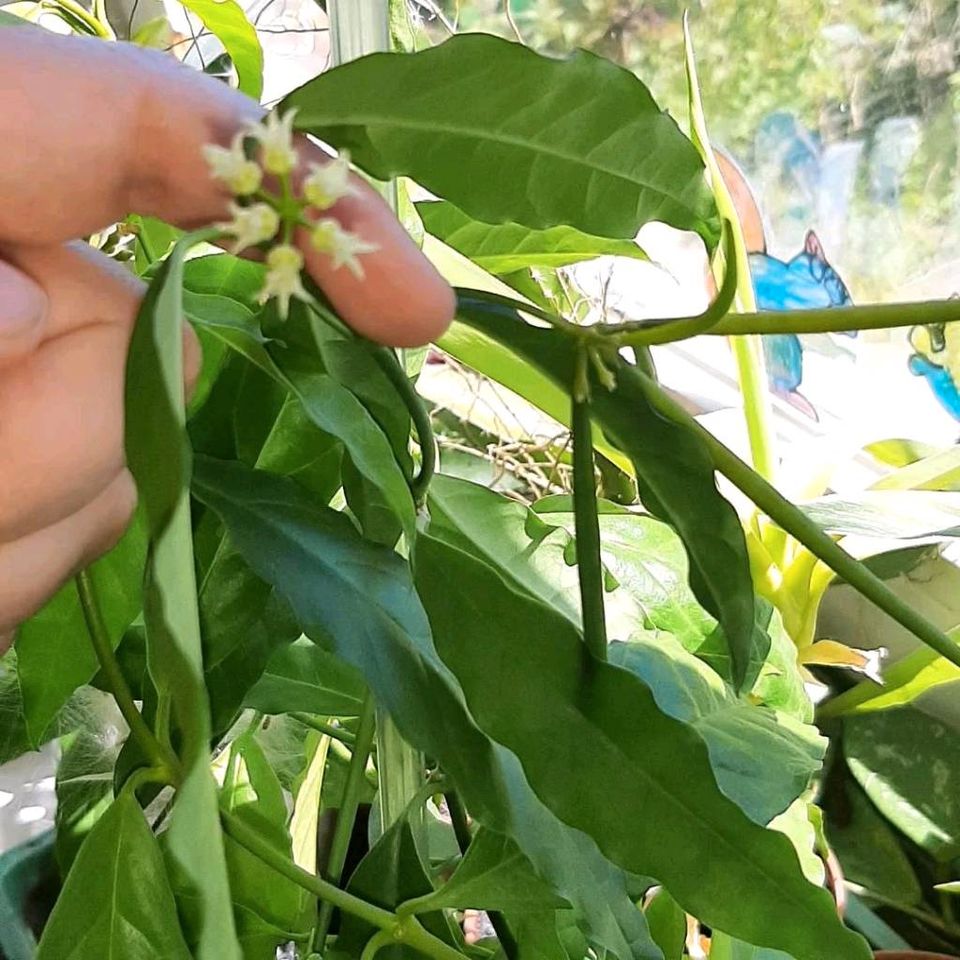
<point x="116" y="901"/>
<point x="589" y="148"/>
<point x="675" y="476"/>
<point x="870" y="852"/>
<point x="647" y="561"/>
<point x="668" y="925"/>
<point x="85" y="774"/>
<point x="158" y="457"/>
<point x="303" y="678"/>
<point x="651" y="803"/>
<point x="937" y="471"/>
<point x="507" y="247"/>
<point x="909" y="765"/>
<point x="58" y="633"/>
<point x="269" y="910"/>
<point x="889" y="514"/>
<point x="493" y="875"/>
<point x="390" y="873"/>
<point x="306" y="807"/>
<point x="741" y="737"/>
<point x="226" y="20"/>
<point x="952" y="887"/>
<point x="360" y="599"/>
<point x="723" y="947"/>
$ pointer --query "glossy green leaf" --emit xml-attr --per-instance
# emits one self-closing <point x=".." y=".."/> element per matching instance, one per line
<point x="269" y="910"/>
<point x="58" y="633"/>
<point x="85" y="774"/>
<point x="781" y="684"/>
<point x="870" y="852"/>
<point x="590" y="148"/>
<point x="651" y="803"/>
<point x="360" y="599"/>
<point x="226" y="20"/>
<point x="668" y="925"/>
<point x="675" y="477"/>
<point x="493" y="875"/>
<point x="159" y="459"/>
<point x="889" y="514"/>
<point x="303" y="678"/>
<point x="117" y="900"/>
<point x="908" y="764"/>
<point x="507" y="247"/>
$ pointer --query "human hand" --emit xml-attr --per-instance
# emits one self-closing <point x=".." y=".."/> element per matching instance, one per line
<point x="99" y="131"/>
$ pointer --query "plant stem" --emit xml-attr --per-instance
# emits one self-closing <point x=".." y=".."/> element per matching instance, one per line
<point x="338" y="733"/>
<point x="461" y="830"/>
<point x="347" y="815"/>
<point x="798" y="525"/>
<point x="397" y="376"/>
<point x="586" y="523"/>
<point x="752" y="374"/>
<point x="161" y="759"/>
<point x="877" y="316"/>
<point x="401" y="929"/>
<point x="93" y="25"/>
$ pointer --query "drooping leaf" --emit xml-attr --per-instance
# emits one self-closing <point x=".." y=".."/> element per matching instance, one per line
<point x="493" y="875"/>
<point x="226" y="20"/>
<point x="58" y="633"/>
<point x="507" y="247"/>
<point x="85" y="774"/>
<point x="269" y="910"/>
<point x="590" y="148"/>
<point x="675" y="477"/>
<point x="908" y="764"/>
<point x="303" y="678"/>
<point x="159" y="459"/>
<point x="117" y="900"/>
<point x="360" y="598"/>
<point x="651" y="803"/>
<point x="306" y="808"/>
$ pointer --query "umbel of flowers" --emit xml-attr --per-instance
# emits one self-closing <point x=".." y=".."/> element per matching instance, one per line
<point x="266" y="219"/>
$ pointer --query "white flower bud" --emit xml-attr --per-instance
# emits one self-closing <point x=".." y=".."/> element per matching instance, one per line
<point x="284" y="263"/>
<point x="251" y="225"/>
<point x="329" y="182"/>
<point x="231" y="167"/>
<point x="340" y="245"/>
<point x="275" y="136"/>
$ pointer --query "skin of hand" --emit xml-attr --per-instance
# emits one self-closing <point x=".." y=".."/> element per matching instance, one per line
<point x="97" y="131"/>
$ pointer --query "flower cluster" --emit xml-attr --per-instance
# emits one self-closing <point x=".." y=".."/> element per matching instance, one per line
<point x="265" y="218"/>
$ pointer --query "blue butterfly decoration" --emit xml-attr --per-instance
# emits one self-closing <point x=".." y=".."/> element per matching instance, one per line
<point x="805" y="282"/>
<point x="932" y="362"/>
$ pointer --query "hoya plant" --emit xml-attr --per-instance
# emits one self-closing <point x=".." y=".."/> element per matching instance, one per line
<point x="325" y="700"/>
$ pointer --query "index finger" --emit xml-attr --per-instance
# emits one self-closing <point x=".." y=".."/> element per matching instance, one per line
<point x="105" y="129"/>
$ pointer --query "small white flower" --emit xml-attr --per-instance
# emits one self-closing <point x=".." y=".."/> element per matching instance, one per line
<point x="251" y="225"/>
<point x="231" y="166"/>
<point x="340" y="245"/>
<point x="329" y="182"/>
<point x="275" y="136"/>
<point x="284" y="264"/>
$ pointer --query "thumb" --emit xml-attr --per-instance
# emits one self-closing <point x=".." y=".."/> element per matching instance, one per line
<point x="23" y="313"/>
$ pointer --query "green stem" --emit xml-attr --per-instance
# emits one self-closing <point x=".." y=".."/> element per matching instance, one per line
<point x="338" y="733"/>
<point x="757" y="411"/>
<point x="798" y="525"/>
<point x="347" y="815"/>
<point x="586" y="523"/>
<point x="390" y="365"/>
<point x="375" y="944"/>
<point x="877" y="316"/>
<point x="162" y="760"/>
<point x="401" y="929"/>
<point x="461" y="830"/>
<point x="93" y="25"/>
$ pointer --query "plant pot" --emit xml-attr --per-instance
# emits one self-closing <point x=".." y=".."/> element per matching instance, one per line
<point x="28" y="886"/>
